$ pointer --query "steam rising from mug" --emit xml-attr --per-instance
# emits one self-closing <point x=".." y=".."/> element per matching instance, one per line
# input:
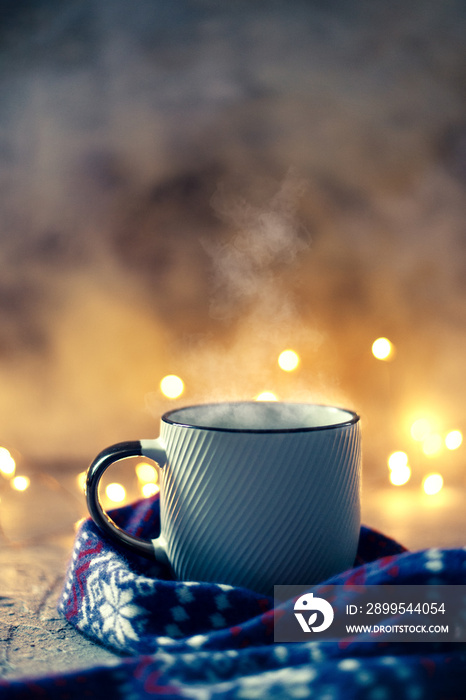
<point x="267" y="240"/>
<point x="251" y="292"/>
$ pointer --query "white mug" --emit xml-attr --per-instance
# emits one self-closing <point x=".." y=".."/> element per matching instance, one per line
<point x="253" y="494"/>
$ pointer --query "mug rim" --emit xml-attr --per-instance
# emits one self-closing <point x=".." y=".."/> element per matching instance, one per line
<point x="352" y="420"/>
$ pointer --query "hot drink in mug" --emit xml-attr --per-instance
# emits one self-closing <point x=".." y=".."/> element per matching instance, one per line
<point x="253" y="494"/>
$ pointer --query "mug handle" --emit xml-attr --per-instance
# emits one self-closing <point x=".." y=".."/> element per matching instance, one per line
<point x="153" y="449"/>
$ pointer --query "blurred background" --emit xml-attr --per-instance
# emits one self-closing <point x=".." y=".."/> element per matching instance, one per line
<point x="189" y="189"/>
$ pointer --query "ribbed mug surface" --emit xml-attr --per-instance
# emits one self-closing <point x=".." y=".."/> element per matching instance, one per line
<point x="260" y="507"/>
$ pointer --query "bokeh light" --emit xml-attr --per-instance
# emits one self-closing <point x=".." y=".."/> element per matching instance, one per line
<point x="454" y="439"/>
<point x="420" y="429"/>
<point x="20" y="483"/>
<point x="81" y="481"/>
<point x="115" y="492"/>
<point x="288" y="360"/>
<point x="149" y="490"/>
<point x="432" y="445"/>
<point x="432" y="484"/>
<point x="172" y="386"/>
<point x="7" y="463"/>
<point x="146" y="473"/>
<point x="398" y="459"/>
<point x="383" y="349"/>
<point x="78" y="524"/>
<point x="266" y="396"/>
<point x="400" y="475"/>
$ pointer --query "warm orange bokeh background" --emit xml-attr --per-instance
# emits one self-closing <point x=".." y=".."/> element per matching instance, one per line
<point x="191" y="190"/>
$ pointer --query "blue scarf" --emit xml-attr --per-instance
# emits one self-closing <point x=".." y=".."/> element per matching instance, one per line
<point x="206" y="641"/>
